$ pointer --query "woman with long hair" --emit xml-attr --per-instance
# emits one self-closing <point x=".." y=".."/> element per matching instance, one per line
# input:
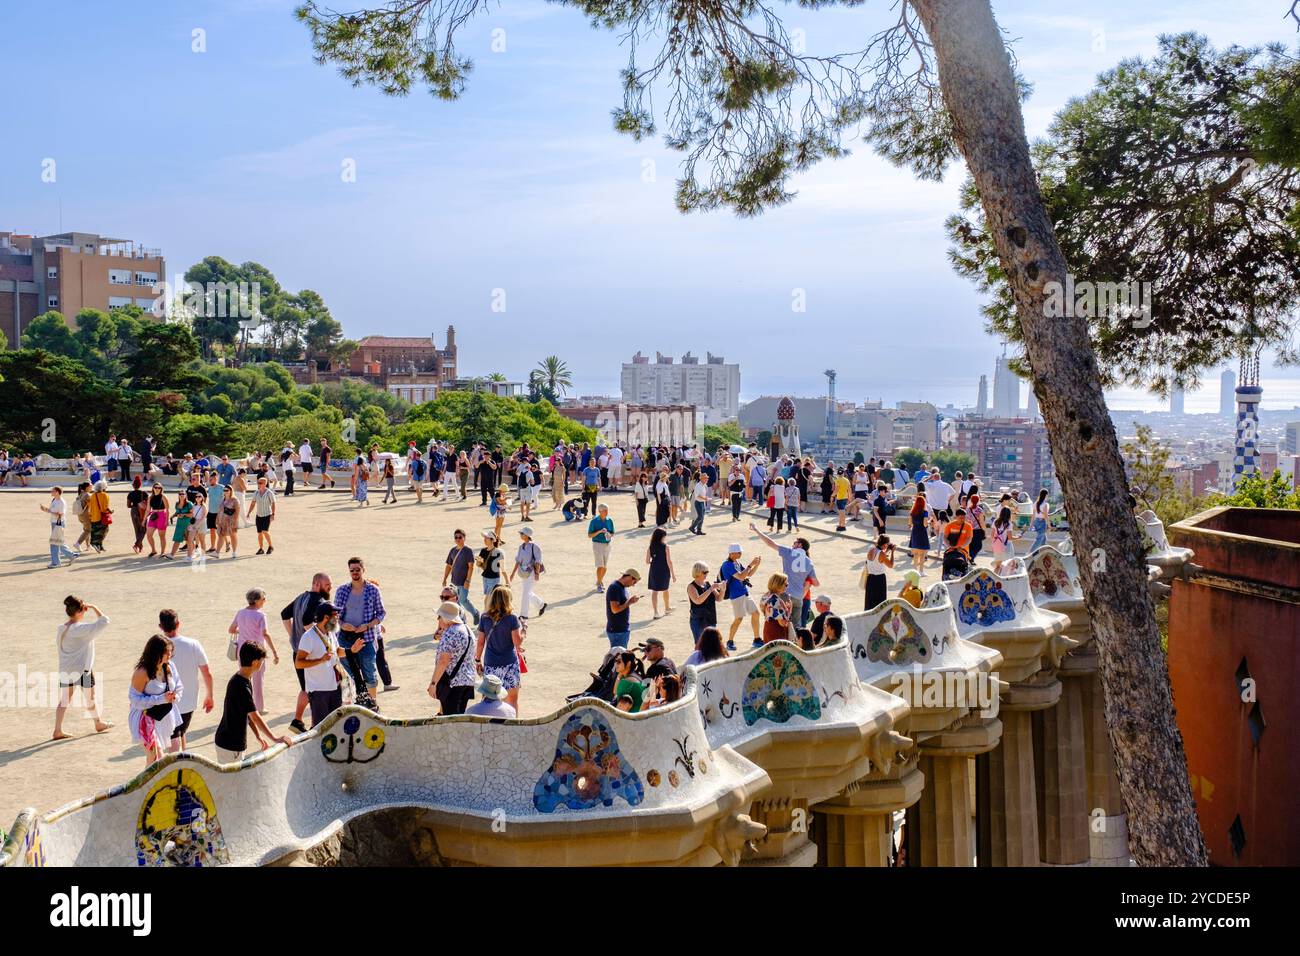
<point x="182" y="515"/>
<point x="1003" y="534"/>
<point x="1042" y="510"/>
<point x="975" y="518"/>
<point x="155" y="689"/>
<point x="137" y="502"/>
<point x="879" y="557"/>
<point x="710" y="647"/>
<point x="159" y="518"/>
<point x="919" y="542"/>
<point x="499" y="650"/>
<point x="641" y="494"/>
<point x="663" y="501"/>
<point x="228" y="523"/>
<point x="659" y="556"/>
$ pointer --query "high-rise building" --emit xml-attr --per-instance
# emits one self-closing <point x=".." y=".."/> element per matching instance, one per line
<point x="1008" y="451"/>
<point x="1176" y="401"/>
<point x="72" y="271"/>
<point x="1031" y="411"/>
<point x="1006" y="390"/>
<point x="1228" y="393"/>
<point x="982" y="403"/>
<point x="1291" y="443"/>
<point x="712" y="387"/>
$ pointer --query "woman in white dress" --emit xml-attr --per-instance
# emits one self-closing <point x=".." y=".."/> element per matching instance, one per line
<point x="155" y="689"/>
<point x="239" y="484"/>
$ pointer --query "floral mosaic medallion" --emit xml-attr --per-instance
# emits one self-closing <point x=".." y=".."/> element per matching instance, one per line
<point x="353" y="745"/>
<point x="178" y="824"/>
<point x="897" y="639"/>
<point x="777" y="689"/>
<point x="1047" y="576"/>
<point x="984" y="602"/>
<point x="588" y="771"/>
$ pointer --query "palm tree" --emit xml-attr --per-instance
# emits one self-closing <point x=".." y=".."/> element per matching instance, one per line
<point x="497" y="377"/>
<point x="554" y="375"/>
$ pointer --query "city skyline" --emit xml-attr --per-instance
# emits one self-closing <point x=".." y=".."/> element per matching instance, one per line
<point x="524" y="189"/>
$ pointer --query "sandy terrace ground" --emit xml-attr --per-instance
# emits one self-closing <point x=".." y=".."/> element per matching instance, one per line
<point x="404" y="546"/>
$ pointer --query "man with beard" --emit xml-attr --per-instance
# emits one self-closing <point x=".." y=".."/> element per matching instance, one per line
<point x="297" y="617"/>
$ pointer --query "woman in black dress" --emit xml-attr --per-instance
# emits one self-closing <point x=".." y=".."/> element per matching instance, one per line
<point x="663" y="500"/>
<point x="828" y="487"/>
<point x="662" y="575"/>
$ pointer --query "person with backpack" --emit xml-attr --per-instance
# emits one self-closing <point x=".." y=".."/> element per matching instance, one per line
<point x="100" y="513"/>
<point x="529" y="567"/>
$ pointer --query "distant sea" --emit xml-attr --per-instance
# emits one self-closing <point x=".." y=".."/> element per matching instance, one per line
<point x="1280" y="394"/>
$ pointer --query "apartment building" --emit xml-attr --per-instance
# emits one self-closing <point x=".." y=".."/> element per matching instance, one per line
<point x="712" y="386"/>
<point x="1008" y="450"/>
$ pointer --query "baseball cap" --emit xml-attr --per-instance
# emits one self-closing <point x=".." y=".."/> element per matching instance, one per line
<point x="654" y="642"/>
<point x="632" y="573"/>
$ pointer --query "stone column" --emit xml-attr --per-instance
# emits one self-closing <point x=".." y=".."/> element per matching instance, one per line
<point x="1061" y="780"/>
<point x="945" y="811"/>
<point x="856" y="827"/>
<point x="1107" y="822"/>
<point x="1008" y="811"/>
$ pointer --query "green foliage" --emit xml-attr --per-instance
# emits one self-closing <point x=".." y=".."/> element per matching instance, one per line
<point x="950" y="462"/>
<point x="764" y="440"/>
<point x="1147" y="462"/>
<point x="713" y="437"/>
<point x="165" y="358"/>
<point x="1182" y="171"/>
<point x="50" y="332"/>
<point x="909" y="459"/>
<point x="466" y="417"/>
<point x="272" y="435"/>
<point x="195" y="433"/>
<point x="1256" y="491"/>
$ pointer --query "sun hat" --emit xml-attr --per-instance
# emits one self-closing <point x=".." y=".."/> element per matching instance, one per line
<point x="491" y="688"/>
<point x="913" y="577"/>
<point x="449" y="611"/>
<point x="526" y="531"/>
<point x="733" y="549"/>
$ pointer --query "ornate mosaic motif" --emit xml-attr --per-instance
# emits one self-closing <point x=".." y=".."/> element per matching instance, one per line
<point x="1049" y="577"/>
<point x="777" y="689"/>
<point x="588" y="771"/>
<point x="984" y="602"/>
<point x="33" y="852"/>
<point x="896" y="639"/>
<point x="178" y="824"/>
<point x="361" y="748"/>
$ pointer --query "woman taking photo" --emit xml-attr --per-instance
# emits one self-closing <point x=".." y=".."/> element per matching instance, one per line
<point x="879" y="557"/>
<point x="662" y="576"/>
<point x="500" y="646"/>
<point x="155" y="688"/>
<point x="704" y="598"/>
<point x="919" y="542"/>
<point x="158" y="519"/>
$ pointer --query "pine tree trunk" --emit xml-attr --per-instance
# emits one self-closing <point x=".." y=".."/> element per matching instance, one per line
<point x="980" y="92"/>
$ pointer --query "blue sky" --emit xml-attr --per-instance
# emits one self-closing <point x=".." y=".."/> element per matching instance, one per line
<point x="522" y="185"/>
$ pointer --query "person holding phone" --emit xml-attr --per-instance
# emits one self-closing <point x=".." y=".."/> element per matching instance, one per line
<point x="879" y="557"/>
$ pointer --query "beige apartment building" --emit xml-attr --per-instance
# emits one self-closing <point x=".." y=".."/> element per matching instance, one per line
<point x="71" y="271"/>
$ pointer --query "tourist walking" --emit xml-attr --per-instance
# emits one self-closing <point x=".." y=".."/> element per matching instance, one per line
<point x="529" y="567"/>
<point x="75" y="640"/>
<point x="159" y="518"/>
<point x="155" y="690"/>
<point x="601" y="532"/>
<point x="499" y="650"/>
<point x="776" y="503"/>
<point x="700" y="500"/>
<point x="390" y="476"/>
<point x="361" y="612"/>
<point x="663" y="501"/>
<point x="459" y="570"/>
<point x="250" y="627"/>
<point x="297" y="617"/>
<point x="454" y="674"/>
<point x="1042" y="514"/>
<point x="190" y="662"/>
<point x="239" y="710"/>
<point x="490" y="560"/>
<point x="325" y="453"/>
<point x="317" y="659"/>
<point x="137" y="504"/>
<point x="662" y="576"/>
<point x="262" y="507"/>
<point x="361" y="481"/>
<point x="100" y="513"/>
<point x="56" y="510"/>
<point x="182" y="516"/>
<point x="228" y="523"/>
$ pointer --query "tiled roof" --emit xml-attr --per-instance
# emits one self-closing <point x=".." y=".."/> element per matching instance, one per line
<point x="396" y="342"/>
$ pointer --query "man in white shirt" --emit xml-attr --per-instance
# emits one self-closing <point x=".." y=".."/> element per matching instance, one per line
<point x="124" y="453"/>
<point x="110" y="456"/>
<point x="305" y="460"/>
<point x="700" y="496"/>
<point x="190" y="661"/>
<point x="318" y="655"/>
<point x="615" y="466"/>
<point x="938" y="495"/>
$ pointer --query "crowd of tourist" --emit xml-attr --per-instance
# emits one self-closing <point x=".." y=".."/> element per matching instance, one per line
<point x="336" y="638"/>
